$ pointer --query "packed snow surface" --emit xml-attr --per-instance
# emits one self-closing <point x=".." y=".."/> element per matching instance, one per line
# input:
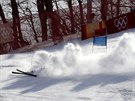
<point x="73" y="71"/>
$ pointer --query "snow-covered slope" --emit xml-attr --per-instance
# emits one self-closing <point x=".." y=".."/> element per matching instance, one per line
<point x="74" y="71"/>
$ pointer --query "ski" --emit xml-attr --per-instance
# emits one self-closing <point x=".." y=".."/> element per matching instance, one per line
<point x="16" y="73"/>
<point x="25" y="73"/>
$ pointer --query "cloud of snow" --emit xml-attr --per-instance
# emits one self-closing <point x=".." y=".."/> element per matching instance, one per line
<point x="72" y="61"/>
<point x="122" y="58"/>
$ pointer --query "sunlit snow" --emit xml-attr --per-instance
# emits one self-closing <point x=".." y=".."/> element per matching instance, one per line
<point x="73" y="71"/>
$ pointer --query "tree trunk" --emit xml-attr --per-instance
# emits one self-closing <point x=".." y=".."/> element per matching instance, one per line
<point x="18" y="38"/>
<point x="56" y="3"/>
<point x="54" y="21"/>
<point x="43" y="18"/>
<point x="15" y="33"/>
<point x="104" y="9"/>
<point x="89" y="11"/>
<point x="30" y="21"/>
<point x="2" y="15"/>
<point x="71" y="16"/>
<point x="118" y="8"/>
<point x="33" y="27"/>
<point x="81" y="12"/>
<point x="111" y="3"/>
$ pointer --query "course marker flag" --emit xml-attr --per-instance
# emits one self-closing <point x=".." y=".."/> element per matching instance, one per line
<point x="100" y="40"/>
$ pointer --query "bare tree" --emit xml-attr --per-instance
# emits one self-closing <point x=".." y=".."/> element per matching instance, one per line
<point x="15" y="22"/>
<point x="104" y="9"/>
<point x="2" y="15"/>
<point x="4" y="21"/>
<point x="45" y="9"/>
<point x="89" y="11"/>
<point x="132" y="4"/>
<point x="118" y="8"/>
<point x="43" y="18"/>
<point x="29" y="18"/>
<point x="18" y="37"/>
<point x="81" y="11"/>
<point x="71" y="16"/>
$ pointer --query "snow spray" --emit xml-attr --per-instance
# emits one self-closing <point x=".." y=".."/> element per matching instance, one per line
<point x="73" y="60"/>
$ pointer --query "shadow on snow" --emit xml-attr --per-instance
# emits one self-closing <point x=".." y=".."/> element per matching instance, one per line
<point x="31" y="84"/>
